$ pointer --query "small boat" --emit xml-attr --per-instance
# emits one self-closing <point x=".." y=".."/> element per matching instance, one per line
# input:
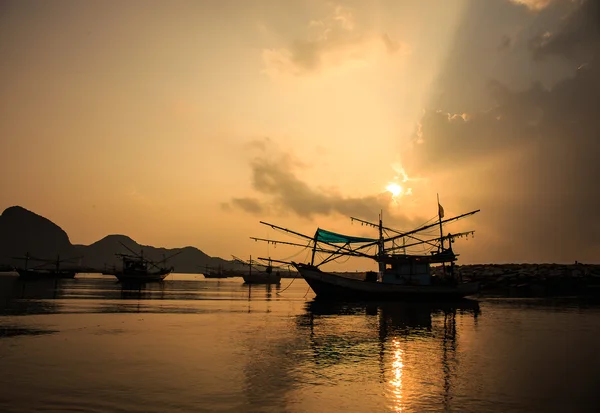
<point x="45" y="273"/>
<point x="260" y="273"/>
<point x="403" y="276"/>
<point x="216" y="272"/>
<point x="139" y="269"/>
<point x="256" y="277"/>
<point x="48" y="269"/>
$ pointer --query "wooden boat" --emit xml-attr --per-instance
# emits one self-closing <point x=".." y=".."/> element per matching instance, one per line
<point x="48" y="269"/>
<point x="256" y="277"/>
<point x="260" y="273"/>
<point x="45" y="273"/>
<point x="401" y="276"/>
<point x="139" y="269"/>
<point x="216" y="273"/>
<point x="328" y="285"/>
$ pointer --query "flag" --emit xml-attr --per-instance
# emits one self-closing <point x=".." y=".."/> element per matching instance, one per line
<point x="440" y="211"/>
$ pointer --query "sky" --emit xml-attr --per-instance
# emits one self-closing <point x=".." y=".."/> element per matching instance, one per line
<point x="187" y="122"/>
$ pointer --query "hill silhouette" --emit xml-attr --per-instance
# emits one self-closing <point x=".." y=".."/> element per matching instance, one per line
<point x="23" y="231"/>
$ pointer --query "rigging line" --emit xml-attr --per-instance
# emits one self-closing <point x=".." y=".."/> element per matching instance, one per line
<point x="342" y="262"/>
<point x="291" y="282"/>
<point x="306" y="293"/>
<point x="296" y="254"/>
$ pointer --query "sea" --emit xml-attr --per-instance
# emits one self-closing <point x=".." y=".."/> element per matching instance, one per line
<point x="192" y="344"/>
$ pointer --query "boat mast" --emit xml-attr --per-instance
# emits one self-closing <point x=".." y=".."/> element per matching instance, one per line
<point x="312" y="260"/>
<point x="381" y="244"/>
<point x="440" y="216"/>
<point x="441" y="248"/>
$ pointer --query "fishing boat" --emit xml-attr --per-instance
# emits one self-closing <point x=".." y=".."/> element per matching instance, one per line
<point x="49" y="268"/>
<point x="216" y="272"/>
<point x="260" y="273"/>
<point x="45" y="273"/>
<point x="401" y="274"/>
<point x="139" y="269"/>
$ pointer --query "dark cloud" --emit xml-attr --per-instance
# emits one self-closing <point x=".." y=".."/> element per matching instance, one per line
<point x="274" y="177"/>
<point x="251" y="205"/>
<point x="576" y="38"/>
<point x="540" y="196"/>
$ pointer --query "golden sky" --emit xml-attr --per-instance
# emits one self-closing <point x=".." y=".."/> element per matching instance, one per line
<point x="186" y="122"/>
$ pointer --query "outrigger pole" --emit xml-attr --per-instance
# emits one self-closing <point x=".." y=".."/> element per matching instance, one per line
<point x="255" y="264"/>
<point x="347" y="250"/>
<point x="423" y="228"/>
<point x="362" y="221"/>
<point x="449" y="236"/>
<point x="295" y="244"/>
<point x="273" y="260"/>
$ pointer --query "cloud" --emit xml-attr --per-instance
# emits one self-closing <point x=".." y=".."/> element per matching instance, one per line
<point x="530" y="160"/>
<point x="577" y="37"/>
<point x="280" y="191"/>
<point x="251" y="205"/>
<point x="535" y="5"/>
<point x="329" y="42"/>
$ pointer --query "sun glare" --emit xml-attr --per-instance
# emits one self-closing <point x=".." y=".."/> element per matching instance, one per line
<point x="394" y="188"/>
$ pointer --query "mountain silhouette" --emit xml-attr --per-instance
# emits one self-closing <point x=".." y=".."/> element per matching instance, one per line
<point x="22" y="232"/>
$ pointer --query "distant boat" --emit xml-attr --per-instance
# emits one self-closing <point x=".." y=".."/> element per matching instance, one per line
<point x="45" y="273"/>
<point x="48" y="269"/>
<point x="216" y="273"/>
<point x="400" y="276"/>
<point x="138" y="269"/>
<point x="256" y="277"/>
<point x="260" y="273"/>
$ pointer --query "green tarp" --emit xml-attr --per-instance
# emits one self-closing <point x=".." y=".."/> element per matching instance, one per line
<point x="333" y="238"/>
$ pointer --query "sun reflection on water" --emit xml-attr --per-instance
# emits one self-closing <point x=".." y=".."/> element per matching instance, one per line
<point x="396" y="381"/>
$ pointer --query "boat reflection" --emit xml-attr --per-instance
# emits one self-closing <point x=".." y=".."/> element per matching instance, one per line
<point x="142" y="291"/>
<point x="403" y="345"/>
<point x="262" y="290"/>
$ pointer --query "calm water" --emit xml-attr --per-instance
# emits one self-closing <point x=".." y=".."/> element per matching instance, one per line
<point x="190" y="344"/>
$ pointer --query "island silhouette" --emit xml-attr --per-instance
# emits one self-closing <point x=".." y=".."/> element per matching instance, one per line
<point x="23" y="232"/>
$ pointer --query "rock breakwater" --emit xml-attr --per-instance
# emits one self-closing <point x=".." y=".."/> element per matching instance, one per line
<point x="532" y="280"/>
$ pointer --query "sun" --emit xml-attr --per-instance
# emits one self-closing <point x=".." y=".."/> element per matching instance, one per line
<point x="394" y="188"/>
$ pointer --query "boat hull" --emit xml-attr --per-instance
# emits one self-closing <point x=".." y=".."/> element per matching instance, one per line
<point x="335" y="287"/>
<point x="261" y="278"/>
<point x="35" y="274"/>
<point x="215" y="276"/>
<point x="142" y="277"/>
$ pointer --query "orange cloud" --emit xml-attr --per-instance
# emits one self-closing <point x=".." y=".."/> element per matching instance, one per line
<point x="329" y="42"/>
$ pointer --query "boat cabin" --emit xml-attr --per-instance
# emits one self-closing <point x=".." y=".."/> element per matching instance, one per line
<point x="412" y="269"/>
<point x="134" y="265"/>
<point x="409" y="272"/>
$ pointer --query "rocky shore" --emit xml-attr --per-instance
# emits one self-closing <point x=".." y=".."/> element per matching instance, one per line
<point x="532" y="280"/>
